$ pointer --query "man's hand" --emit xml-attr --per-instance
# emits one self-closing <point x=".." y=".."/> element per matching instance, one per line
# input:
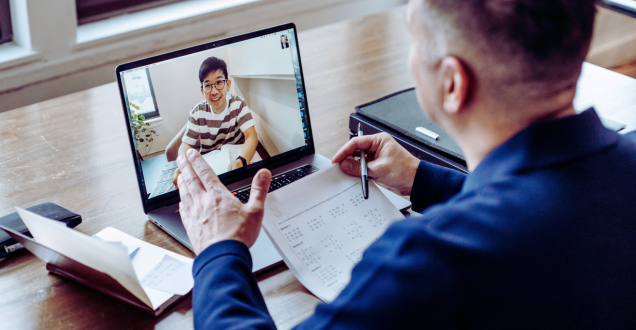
<point x="235" y="164"/>
<point x="387" y="161"/>
<point x="210" y="213"/>
<point x="175" y="176"/>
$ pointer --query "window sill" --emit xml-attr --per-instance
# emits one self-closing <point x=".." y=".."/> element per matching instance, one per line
<point x="12" y="55"/>
<point x="154" y="122"/>
<point x="97" y="32"/>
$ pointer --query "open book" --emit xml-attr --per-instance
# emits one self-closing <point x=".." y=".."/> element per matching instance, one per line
<point x="322" y="225"/>
<point x="119" y="265"/>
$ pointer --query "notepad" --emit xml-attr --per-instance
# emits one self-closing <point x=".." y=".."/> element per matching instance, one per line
<point x="322" y="225"/>
<point x="219" y="160"/>
<point x="105" y="265"/>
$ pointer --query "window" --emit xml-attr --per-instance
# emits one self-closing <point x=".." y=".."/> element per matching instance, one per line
<point x="6" y="33"/>
<point x="95" y="10"/>
<point x="140" y="94"/>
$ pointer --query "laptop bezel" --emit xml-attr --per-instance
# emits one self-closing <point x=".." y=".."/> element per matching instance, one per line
<point x="227" y="178"/>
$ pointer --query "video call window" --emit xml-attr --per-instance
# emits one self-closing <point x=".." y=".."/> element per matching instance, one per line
<point x="238" y="104"/>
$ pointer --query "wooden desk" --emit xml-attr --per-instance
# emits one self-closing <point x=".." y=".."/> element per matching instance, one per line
<point x="74" y="151"/>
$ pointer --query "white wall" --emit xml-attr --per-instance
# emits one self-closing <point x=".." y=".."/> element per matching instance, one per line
<point x="263" y="75"/>
<point x="55" y="57"/>
<point x="275" y="109"/>
<point x="260" y="57"/>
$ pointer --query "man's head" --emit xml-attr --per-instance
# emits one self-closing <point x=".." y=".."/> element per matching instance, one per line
<point x="214" y="82"/>
<point x="497" y="60"/>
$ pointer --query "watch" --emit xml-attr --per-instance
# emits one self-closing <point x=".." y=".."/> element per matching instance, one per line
<point x="242" y="160"/>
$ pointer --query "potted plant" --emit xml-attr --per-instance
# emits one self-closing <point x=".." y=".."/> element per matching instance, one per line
<point x="144" y="132"/>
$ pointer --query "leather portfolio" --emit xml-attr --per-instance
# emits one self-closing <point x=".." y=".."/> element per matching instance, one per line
<point x="400" y="114"/>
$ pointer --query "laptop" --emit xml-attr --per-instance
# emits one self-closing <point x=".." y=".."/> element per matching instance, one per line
<point x="169" y="101"/>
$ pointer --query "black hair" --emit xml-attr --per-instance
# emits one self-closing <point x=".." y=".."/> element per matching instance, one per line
<point x="552" y="37"/>
<point x="212" y="64"/>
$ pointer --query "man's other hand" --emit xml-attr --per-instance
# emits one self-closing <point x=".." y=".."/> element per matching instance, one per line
<point x="210" y="213"/>
<point x="387" y="161"/>
<point x="235" y="165"/>
<point x="175" y="176"/>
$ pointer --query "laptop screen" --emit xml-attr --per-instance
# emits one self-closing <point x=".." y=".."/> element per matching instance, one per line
<point x="239" y="103"/>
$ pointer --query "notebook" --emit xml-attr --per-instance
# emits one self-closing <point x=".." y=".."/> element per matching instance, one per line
<point x="153" y="279"/>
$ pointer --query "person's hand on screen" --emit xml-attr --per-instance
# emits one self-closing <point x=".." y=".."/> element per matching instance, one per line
<point x="210" y="213"/>
<point x="235" y="164"/>
<point x="175" y="176"/>
<point x="387" y="161"/>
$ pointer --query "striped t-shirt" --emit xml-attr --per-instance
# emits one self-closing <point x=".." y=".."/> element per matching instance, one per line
<point x="217" y="130"/>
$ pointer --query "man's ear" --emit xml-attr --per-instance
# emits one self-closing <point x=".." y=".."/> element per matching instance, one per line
<point x="229" y="84"/>
<point x="456" y="84"/>
<point x="202" y="92"/>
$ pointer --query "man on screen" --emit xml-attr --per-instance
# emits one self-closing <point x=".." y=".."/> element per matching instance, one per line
<point x="283" y="41"/>
<point x="222" y="118"/>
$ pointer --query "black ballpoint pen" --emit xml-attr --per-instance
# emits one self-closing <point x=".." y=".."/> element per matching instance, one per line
<point x="364" y="176"/>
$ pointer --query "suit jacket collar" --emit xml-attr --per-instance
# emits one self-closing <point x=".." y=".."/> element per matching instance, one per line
<point x="542" y="145"/>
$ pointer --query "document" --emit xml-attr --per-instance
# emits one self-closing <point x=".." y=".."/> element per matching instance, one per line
<point x="105" y="257"/>
<point x="170" y="275"/>
<point x="219" y="160"/>
<point x="322" y="225"/>
<point x="146" y="260"/>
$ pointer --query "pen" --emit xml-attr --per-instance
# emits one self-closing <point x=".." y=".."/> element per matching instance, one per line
<point x="364" y="176"/>
<point x="428" y="133"/>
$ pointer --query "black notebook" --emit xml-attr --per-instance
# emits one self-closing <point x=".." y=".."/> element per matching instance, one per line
<point x="401" y="112"/>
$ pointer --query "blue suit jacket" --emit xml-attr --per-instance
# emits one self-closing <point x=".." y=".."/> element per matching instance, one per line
<point x="541" y="235"/>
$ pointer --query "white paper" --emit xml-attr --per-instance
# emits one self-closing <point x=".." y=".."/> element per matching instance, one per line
<point x="322" y="224"/>
<point x="170" y="275"/>
<point x="130" y="248"/>
<point x="105" y="257"/>
<point x="145" y="260"/>
<point x="219" y="160"/>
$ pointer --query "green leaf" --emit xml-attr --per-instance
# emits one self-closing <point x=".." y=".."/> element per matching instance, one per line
<point x="142" y="117"/>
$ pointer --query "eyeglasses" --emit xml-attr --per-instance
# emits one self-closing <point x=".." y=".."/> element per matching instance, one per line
<point x="219" y="85"/>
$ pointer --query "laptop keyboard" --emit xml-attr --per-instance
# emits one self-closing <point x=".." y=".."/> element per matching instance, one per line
<point x="278" y="181"/>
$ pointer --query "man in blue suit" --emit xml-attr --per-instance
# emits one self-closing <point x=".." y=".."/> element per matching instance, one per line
<point x="540" y="234"/>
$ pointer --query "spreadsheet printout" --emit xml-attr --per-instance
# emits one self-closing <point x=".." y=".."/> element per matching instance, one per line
<point x="322" y="225"/>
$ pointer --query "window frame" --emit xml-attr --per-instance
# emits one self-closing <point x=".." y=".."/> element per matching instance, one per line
<point x="620" y="6"/>
<point x="148" y="116"/>
<point x="6" y="30"/>
<point x="89" y="11"/>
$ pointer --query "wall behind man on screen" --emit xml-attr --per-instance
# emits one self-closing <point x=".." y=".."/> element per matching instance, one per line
<point x="268" y="85"/>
